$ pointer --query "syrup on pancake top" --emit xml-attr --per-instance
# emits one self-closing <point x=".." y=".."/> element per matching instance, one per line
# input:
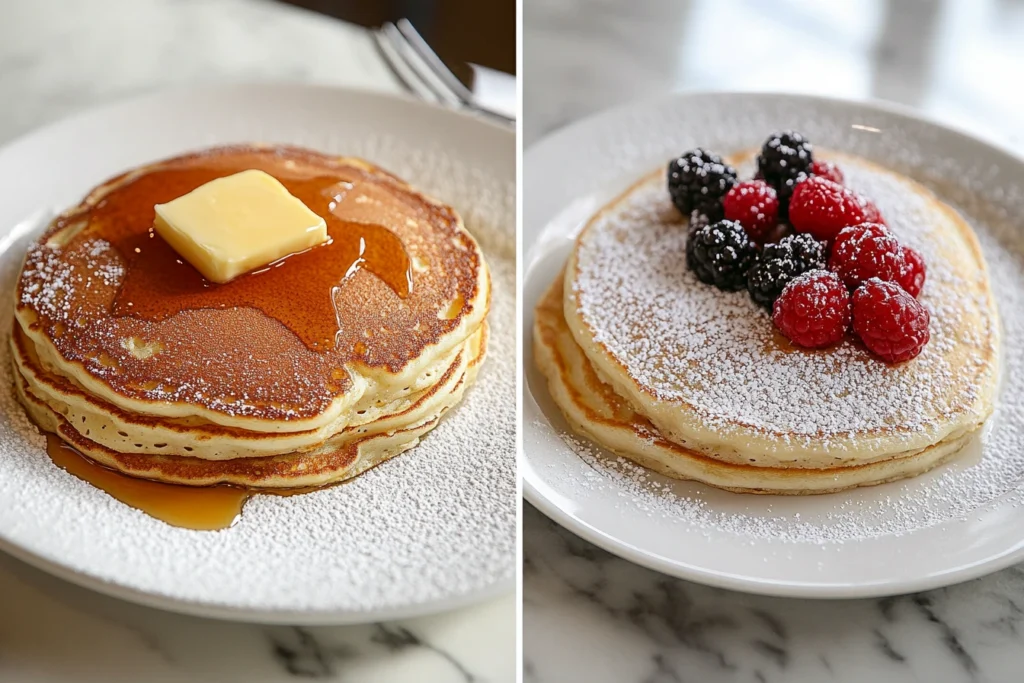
<point x="362" y="328"/>
<point x="100" y="276"/>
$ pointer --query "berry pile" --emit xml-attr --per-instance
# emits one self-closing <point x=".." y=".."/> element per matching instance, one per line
<point x="816" y="254"/>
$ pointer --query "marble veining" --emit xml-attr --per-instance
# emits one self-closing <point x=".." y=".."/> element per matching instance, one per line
<point x="302" y="652"/>
<point x="590" y="614"/>
<point x="52" y="631"/>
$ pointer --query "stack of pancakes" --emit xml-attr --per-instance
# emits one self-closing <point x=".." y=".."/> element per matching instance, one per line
<point x="697" y="384"/>
<point x="251" y="394"/>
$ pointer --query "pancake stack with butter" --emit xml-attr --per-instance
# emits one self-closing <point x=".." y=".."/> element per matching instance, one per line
<point x="326" y="331"/>
<point x="696" y="383"/>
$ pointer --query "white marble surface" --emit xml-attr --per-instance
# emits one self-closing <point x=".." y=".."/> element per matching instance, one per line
<point x="60" y="56"/>
<point x="53" y="632"/>
<point x="590" y="616"/>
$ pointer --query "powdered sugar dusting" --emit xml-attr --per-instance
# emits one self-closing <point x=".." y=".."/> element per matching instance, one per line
<point x="687" y="341"/>
<point x="435" y="524"/>
<point x="950" y="493"/>
<point x="43" y="262"/>
<point x="983" y="482"/>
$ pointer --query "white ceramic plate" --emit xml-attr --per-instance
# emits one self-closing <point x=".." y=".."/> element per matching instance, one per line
<point x="427" y="531"/>
<point x="960" y="521"/>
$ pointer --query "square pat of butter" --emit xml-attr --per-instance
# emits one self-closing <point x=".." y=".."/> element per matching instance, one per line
<point x="239" y="223"/>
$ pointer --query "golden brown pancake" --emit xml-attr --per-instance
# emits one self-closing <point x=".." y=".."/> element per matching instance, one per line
<point x="333" y="461"/>
<point x="132" y="432"/>
<point x="127" y="432"/>
<point x="291" y="347"/>
<point x="300" y="374"/>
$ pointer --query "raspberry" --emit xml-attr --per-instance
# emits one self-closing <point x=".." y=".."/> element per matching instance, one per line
<point x="865" y="251"/>
<point x="720" y="254"/>
<point x="823" y="208"/>
<point x="755" y="205"/>
<point x="781" y="262"/>
<point x="871" y="212"/>
<point x="827" y="169"/>
<point x="913" y="276"/>
<point x="697" y="181"/>
<point x="890" y="322"/>
<point x="813" y="310"/>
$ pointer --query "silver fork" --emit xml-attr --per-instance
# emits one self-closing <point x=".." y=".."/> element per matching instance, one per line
<point x="422" y="71"/>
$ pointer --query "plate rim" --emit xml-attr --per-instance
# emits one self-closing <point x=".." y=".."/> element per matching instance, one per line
<point x="883" y="106"/>
<point x="241" y="87"/>
<point x="221" y="612"/>
<point x="654" y="561"/>
<point x="213" y="609"/>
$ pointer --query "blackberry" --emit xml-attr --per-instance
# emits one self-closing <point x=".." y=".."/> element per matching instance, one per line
<point x="785" y="193"/>
<point x="698" y="180"/>
<point x="781" y="262"/>
<point x="720" y="254"/>
<point x="697" y="221"/>
<point x="808" y="250"/>
<point x="785" y="160"/>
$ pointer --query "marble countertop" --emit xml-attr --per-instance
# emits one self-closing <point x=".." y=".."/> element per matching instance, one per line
<point x="54" y="632"/>
<point x="590" y="616"/>
<point x="60" y="56"/>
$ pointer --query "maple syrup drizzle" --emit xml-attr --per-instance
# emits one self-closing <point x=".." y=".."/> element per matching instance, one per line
<point x="203" y="508"/>
<point x="298" y="290"/>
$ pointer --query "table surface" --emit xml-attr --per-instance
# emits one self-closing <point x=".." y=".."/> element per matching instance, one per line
<point x="58" y="57"/>
<point x="590" y="616"/>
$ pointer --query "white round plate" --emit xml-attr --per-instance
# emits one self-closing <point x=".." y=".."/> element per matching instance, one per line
<point x="430" y="530"/>
<point x="958" y="522"/>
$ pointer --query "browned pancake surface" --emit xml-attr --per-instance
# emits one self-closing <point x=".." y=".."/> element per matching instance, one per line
<point x="270" y="345"/>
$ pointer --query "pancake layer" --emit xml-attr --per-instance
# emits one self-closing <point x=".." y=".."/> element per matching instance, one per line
<point x="302" y="374"/>
<point x="334" y="461"/>
<point x="698" y="384"/>
<point x="124" y="431"/>
<point x="169" y="347"/>
<point x="594" y="410"/>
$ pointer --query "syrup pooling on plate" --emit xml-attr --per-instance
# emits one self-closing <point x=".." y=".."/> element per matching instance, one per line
<point x="428" y="559"/>
<point x="103" y="283"/>
<point x="200" y="508"/>
<point x="203" y="508"/>
<point x="159" y="283"/>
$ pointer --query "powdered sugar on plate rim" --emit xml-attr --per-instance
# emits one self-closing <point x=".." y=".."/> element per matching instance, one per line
<point x="429" y="530"/>
<point x="830" y="546"/>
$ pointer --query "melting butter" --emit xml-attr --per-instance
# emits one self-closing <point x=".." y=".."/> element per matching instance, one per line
<point x="239" y="223"/>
